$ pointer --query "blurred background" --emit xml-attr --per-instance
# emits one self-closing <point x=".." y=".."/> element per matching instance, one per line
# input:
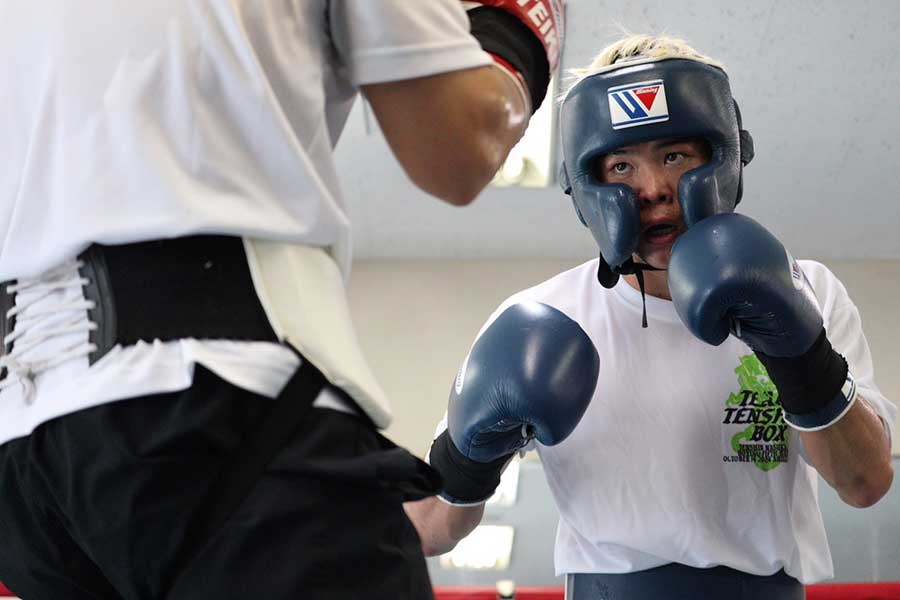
<point x="818" y="84"/>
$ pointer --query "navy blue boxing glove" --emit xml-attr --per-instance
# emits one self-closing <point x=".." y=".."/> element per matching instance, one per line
<point x="531" y="374"/>
<point x="728" y="274"/>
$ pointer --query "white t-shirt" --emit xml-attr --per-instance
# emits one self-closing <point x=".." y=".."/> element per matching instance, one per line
<point x="148" y="119"/>
<point x="667" y="464"/>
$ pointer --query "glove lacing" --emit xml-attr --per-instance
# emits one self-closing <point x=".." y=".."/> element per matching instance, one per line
<point x="36" y="325"/>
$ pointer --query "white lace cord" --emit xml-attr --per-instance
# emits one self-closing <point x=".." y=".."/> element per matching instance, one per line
<point x="58" y="320"/>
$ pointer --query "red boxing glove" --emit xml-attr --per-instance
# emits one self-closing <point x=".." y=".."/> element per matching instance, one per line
<point x="543" y="17"/>
<point x="524" y="36"/>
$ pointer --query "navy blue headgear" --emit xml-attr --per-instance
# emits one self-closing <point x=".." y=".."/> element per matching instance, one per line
<point x="637" y="102"/>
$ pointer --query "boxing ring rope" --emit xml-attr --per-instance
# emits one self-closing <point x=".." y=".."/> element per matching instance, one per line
<point x="822" y="591"/>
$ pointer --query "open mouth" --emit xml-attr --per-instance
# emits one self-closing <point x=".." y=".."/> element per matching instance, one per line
<point x="660" y="232"/>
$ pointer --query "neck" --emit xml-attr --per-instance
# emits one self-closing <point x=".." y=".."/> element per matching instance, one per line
<point x="656" y="284"/>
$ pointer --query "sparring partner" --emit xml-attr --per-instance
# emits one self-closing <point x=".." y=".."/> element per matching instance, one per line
<point x="731" y="375"/>
<point x="184" y="410"/>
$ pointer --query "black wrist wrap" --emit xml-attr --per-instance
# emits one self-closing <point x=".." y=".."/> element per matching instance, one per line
<point x="505" y="35"/>
<point x="808" y="382"/>
<point x="465" y="481"/>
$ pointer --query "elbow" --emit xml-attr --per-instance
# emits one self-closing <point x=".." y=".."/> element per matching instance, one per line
<point x="451" y="132"/>
<point x="458" y="157"/>
<point x="867" y="491"/>
<point x="462" y="193"/>
<point x="459" y="178"/>
<point x="470" y="185"/>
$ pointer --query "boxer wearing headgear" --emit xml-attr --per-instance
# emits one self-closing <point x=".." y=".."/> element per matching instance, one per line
<point x="637" y="99"/>
<point x="692" y="471"/>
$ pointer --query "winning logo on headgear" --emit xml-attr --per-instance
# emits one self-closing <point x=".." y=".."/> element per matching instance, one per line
<point x="638" y="103"/>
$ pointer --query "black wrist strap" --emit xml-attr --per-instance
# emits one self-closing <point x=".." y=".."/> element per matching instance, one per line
<point x="807" y="383"/>
<point x="504" y="35"/>
<point x="465" y="481"/>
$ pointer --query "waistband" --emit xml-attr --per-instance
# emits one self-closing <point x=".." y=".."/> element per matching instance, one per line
<point x="195" y="286"/>
<point x="680" y="582"/>
<point x="190" y="287"/>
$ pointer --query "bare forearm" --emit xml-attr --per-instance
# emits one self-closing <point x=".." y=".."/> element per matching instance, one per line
<point x="853" y="455"/>
<point x="441" y="526"/>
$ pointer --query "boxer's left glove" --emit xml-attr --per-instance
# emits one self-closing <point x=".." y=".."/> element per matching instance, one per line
<point x="525" y="37"/>
<point x="728" y="274"/>
<point x="531" y="374"/>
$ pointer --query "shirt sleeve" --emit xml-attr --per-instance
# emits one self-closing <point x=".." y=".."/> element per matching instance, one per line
<point x="387" y="40"/>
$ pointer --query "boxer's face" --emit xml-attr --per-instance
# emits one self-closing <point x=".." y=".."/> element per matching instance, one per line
<point x="652" y="169"/>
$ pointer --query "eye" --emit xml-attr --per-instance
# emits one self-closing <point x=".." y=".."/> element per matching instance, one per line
<point x="674" y="158"/>
<point x="620" y="168"/>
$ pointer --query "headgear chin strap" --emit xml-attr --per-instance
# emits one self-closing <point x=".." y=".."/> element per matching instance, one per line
<point x="639" y="102"/>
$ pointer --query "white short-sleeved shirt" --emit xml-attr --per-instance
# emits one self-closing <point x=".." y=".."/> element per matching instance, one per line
<point x="681" y="455"/>
<point x="148" y="119"/>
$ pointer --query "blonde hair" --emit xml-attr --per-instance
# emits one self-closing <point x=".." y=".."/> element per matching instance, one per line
<point x="641" y="48"/>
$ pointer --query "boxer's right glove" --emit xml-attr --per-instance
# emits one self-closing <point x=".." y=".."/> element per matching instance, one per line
<point x="524" y="36"/>
<point x="531" y="374"/>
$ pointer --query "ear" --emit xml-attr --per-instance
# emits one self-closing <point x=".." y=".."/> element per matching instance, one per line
<point x="747" y="151"/>
<point x="563" y="179"/>
<point x="578" y="212"/>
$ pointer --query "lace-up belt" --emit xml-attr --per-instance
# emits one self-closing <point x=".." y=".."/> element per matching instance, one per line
<point x="190" y="287"/>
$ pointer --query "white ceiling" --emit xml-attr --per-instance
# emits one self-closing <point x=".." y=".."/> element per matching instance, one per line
<point x="819" y="87"/>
